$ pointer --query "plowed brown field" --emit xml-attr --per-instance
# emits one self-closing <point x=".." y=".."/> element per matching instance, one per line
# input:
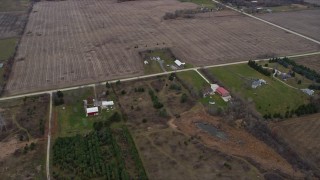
<point x="304" y="22"/>
<point x="84" y="41"/>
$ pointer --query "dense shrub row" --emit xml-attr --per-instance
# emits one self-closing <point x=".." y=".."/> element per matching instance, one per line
<point x="259" y="68"/>
<point x="155" y="100"/>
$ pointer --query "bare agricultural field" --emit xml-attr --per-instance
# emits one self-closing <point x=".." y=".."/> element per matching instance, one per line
<point x="317" y="2"/>
<point x="75" y="42"/>
<point x="313" y="62"/>
<point x="11" y="24"/>
<point x="302" y="134"/>
<point x="305" y="22"/>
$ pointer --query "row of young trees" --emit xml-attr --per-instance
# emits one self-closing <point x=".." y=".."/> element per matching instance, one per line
<point x="155" y="100"/>
<point x="134" y="153"/>
<point x="297" y="68"/>
<point x="259" y="68"/>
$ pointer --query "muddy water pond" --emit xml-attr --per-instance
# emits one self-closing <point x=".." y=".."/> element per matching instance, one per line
<point x="213" y="131"/>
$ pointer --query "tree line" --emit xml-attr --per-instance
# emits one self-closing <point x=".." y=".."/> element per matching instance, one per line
<point x="259" y="68"/>
<point x="303" y="109"/>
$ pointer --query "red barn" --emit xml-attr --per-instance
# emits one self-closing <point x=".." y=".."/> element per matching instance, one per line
<point x="93" y="111"/>
<point x="222" y="91"/>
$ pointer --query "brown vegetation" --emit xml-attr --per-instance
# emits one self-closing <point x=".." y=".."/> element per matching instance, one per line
<point x="22" y="143"/>
<point x="238" y="142"/>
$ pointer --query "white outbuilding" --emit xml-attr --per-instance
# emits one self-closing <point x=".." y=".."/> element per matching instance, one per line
<point x="179" y="63"/>
<point x="214" y="87"/>
<point x="92" y="111"/>
<point x="106" y="104"/>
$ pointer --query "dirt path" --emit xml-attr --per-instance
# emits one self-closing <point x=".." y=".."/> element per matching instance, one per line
<point x="11" y="146"/>
<point x="20" y="127"/>
<point x="49" y="139"/>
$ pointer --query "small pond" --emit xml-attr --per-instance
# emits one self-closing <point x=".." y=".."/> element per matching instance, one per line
<point x="212" y="130"/>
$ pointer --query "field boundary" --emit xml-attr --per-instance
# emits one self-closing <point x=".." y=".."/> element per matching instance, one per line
<point x="142" y="77"/>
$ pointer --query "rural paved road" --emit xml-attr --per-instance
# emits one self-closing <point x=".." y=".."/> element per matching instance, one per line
<point x="270" y="23"/>
<point x="143" y="77"/>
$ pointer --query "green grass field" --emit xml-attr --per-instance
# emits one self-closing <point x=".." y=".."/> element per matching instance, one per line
<point x="71" y="116"/>
<point x="7" y="48"/>
<point x="205" y="3"/>
<point x="194" y="79"/>
<point x="216" y="98"/>
<point x="274" y="97"/>
<point x="14" y="5"/>
<point x="152" y="67"/>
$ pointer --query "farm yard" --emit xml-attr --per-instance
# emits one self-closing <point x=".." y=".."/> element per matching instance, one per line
<point x="112" y="151"/>
<point x="77" y="45"/>
<point x="274" y="97"/>
<point x="304" y="22"/>
<point x="22" y="143"/>
<point x="302" y="136"/>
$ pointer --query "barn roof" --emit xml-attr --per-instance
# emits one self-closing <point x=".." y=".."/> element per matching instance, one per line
<point x="222" y="91"/>
<point x="107" y="103"/>
<point x="92" y="110"/>
<point x="178" y="62"/>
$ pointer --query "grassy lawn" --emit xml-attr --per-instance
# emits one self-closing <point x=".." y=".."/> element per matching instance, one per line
<point x="205" y="3"/>
<point x="152" y="67"/>
<point x="14" y="5"/>
<point x="71" y="116"/>
<point x="215" y="98"/>
<point x="7" y="48"/>
<point x="274" y="97"/>
<point x="194" y="79"/>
